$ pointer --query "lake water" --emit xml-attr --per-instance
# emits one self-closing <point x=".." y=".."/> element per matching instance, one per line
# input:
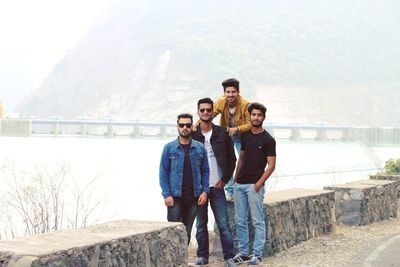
<point x="127" y="169"/>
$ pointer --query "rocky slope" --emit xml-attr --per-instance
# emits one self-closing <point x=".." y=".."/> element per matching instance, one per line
<point x="309" y="61"/>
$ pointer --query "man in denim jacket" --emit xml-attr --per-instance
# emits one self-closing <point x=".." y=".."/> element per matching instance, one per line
<point x="184" y="175"/>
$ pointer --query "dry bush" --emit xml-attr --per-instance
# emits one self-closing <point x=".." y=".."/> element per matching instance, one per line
<point x="44" y="201"/>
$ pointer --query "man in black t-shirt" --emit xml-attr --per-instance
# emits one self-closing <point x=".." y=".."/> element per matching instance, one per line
<point x="256" y="163"/>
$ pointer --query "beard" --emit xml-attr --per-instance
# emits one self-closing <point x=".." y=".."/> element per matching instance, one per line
<point x="257" y="124"/>
<point x="206" y="120"/>
<point x="184" y="134"/>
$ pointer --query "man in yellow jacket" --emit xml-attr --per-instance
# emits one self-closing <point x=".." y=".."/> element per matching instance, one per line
<point x="234" y="116"/>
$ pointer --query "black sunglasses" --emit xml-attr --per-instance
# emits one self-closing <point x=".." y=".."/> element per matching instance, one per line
<point x="204" y="109"/>
<point x="181" y="125"/>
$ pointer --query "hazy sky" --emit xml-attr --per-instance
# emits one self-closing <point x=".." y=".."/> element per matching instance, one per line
<point x="34" y="35"/>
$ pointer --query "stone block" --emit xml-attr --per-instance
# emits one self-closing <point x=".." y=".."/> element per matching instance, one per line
<point x="392" y="178"/>
<point x="364" y="202"/>
<point x="118" y="243"/>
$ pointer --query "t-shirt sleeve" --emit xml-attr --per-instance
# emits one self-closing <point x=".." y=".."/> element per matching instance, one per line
<point x="270" y="150"/>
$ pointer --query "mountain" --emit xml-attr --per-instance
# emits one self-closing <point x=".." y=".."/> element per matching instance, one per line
<point x="330" y="61"/>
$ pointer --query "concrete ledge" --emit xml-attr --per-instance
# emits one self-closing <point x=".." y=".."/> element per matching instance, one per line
<point x="293" y="216"/>
<point x="118" y="243"/>
<point x="15" y="127"/>
<point x="364" y="202"/>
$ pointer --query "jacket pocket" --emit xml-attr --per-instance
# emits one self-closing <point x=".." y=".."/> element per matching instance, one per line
<point x="173" y="157"/>
<point x="198" y="156"/>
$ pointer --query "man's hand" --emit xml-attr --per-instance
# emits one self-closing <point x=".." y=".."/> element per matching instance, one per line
<point x="169" y="201"/>
<point x="202" y="199"/>
<point x="220" y="184"/>
<point x="194" y="127"/>
<point x="233" y="130"/>
<point x="257" y="186"/>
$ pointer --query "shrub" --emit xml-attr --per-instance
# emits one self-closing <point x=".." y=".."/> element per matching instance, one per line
<point x="392" y="167"/>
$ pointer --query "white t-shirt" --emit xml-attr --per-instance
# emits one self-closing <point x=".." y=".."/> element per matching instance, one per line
<point x="215" y="170"/>
<point x="232" y="117"/>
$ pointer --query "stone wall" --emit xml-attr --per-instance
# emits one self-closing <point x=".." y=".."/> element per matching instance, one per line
<point x="293" y="216"/>
<point x="15" y="127"/>
<point x="118" y="243"/>
<point x="392" y="178"/>
<point x="364" y="202"/>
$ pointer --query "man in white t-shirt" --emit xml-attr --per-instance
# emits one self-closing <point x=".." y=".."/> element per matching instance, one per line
<point x="222" y="161"/>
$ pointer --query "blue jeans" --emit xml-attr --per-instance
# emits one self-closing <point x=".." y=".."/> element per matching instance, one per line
<point x="184" y="210"/>
<point x="247" y="198"/>
<point x="236" y="142"/>
<point x="220" y="210"/>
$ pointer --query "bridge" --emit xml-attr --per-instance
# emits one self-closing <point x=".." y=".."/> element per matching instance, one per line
<point x="111" y="128"/>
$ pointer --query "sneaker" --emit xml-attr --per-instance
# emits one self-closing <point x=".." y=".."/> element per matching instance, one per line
<point x="230" y="262"/>
<point x="229" y="197"/>
<point x="239" y="258"/>
<point x="200" y="261"/>
<point x="254" y="260"/>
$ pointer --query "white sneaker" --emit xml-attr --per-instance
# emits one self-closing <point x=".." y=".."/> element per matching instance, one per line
<point x="200" y="261"/>
<point x="254" y="260"/>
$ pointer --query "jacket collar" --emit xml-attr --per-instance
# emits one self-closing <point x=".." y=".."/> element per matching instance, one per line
<point x="177" y="144"/>
<point x="215" y="132"/>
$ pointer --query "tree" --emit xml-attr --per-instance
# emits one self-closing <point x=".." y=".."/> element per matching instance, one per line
<point x="44" y="202"/>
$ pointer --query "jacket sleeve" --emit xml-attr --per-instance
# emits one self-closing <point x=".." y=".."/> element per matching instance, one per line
<point x="247" y="124"/>
<point x="218" y="106"/>
<point x="165" y="167"/>
<point x="205" y="172"/>
<point x="230" y="158"/>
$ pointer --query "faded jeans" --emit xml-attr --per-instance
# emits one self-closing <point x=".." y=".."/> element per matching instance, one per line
<point x="246" y="198"/>
<point x="236" y="142"/>
<point x="184" y="210"/>
<point x="220" y="210"/>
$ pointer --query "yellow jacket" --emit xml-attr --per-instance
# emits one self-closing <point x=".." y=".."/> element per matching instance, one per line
<point x="242" y="116"/>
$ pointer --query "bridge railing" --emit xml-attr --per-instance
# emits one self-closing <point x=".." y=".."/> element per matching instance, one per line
<point x="163" y="129"/>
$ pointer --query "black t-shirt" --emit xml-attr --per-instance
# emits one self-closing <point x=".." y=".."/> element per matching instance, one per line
<point x="256" y="147"/>
<point x="187" y="183"/>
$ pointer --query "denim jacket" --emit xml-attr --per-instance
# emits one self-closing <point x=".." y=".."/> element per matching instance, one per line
<point x="171" y="168"/>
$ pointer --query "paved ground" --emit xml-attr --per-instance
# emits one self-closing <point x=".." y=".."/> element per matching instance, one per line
<point x="377" y="244"/>
<point x="385" y="253"/>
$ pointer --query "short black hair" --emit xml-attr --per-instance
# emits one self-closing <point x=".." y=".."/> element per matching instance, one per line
<point x="231" y="82"/>
<point x="205" y="100"/>
<point x="258" y="106"/>
<point x="185" y="116"/>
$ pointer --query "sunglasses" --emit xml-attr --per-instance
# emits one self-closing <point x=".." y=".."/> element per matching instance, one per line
<point x="181" y="125"/>
<point x="205" y="109"/>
